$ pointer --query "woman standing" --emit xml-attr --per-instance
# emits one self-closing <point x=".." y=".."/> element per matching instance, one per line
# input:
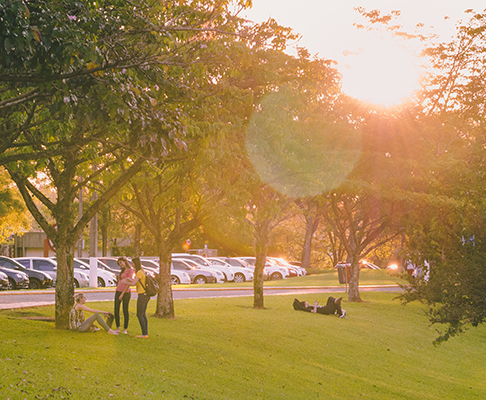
<point x="76" y="316"/>
<point x="122" y="294"/>
<point x="143" y="299"/>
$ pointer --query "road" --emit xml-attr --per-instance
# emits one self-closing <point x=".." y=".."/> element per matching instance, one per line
<point x="25" y="299"/>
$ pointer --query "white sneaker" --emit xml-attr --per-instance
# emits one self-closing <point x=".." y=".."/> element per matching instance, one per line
<point x="343" y="315"/>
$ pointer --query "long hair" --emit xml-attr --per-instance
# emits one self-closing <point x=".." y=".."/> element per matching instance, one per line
<point x="137" y="264"/>
<point x="125" y="266"/>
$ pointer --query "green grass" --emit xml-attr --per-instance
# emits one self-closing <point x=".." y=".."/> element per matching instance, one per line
<point x="325" y="278"/>
<point x="224" y="349"/>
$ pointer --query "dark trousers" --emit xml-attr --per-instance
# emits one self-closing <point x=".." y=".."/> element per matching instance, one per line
<point x="126" y="301"/>
<point x="142" y="303"/>
<point x="331" y="307"/>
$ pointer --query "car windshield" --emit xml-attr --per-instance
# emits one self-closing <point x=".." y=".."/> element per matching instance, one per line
<point x="9" y="264"/>
<point x="25" y="263"/>
<point x="80" y="265"/>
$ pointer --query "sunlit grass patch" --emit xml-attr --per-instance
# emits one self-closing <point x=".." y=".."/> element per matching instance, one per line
<point x="224" y="349"/>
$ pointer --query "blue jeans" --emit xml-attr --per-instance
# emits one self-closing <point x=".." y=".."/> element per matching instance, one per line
<point x="142" y="303"/>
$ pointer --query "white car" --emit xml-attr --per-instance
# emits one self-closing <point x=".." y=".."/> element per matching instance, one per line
<point x="197" y="274"/>
<point x="49" y="266"/>
<point x="226" y="269"/>
<point x="201" y="263"/>
<point x="176" y="277"/>
<point x="105" y="278"/>
<point x="280" y="261"/>
<point x="244" y="268"/>
<point x="275" y="272"/>
<point x="240" y="273"/>
<point x="179" y="277"/>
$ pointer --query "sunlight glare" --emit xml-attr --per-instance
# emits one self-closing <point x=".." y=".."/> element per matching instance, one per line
<point x="382" y="73"/>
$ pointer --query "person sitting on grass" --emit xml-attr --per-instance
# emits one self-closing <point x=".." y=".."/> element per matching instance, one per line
<point x="333" y="306"/>
<point x="77" y="321"/>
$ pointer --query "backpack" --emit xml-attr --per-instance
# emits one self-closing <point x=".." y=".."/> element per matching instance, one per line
<point x="152" y="285"/>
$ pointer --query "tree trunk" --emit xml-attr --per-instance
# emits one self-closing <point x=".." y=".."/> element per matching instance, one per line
<point x="261" y="245"/>
<point x="311" y="225"/>
<point x="104" y="231"/>
<point x="353" y="293"/>
<point x="165" y="300"/>
<point x="65" y="283"/>
<point x="136" y="239"/>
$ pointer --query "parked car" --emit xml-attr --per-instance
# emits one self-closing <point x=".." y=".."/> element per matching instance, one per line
<point x="362" y="264"/>
<point x="112" y="262"/>
<point x="280" y="261"/>
<point x="295" y="263"/>
<point x="202" y="263"/>
<point x="275" y="272"/>
<point x="197" y="275"/>
<point x="37" y="279"/>
<point x="240" y="272"/>
<point x="224" y="268"/>
<point x="176" y="277"/>
<point x="291" y="270"/>
<point x="367" y="265"/>
<point x="4" y="284"/>
<point x="49" y="266"/>
<point x="150" y="264"/>
<point x="16" y="279"/>
<point x="236" y="262"/>
<point x="104" y="278"/>
<point x="101" y="265"/>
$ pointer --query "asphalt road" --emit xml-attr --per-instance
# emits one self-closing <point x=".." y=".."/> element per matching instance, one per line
<point x="25" y="299"/>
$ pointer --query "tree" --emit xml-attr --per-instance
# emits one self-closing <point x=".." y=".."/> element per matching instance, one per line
<point x="312" y="219"/>
<point x="363" y="222"/>
<point x="84" y="99"/>
<point x="164" y="200"/>
<point x="281" y="149"/>
<point x="13" y="214"/>
<point x="448" y="234"/>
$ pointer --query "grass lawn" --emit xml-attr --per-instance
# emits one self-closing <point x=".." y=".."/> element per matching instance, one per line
<point x="224" y="349"/>
<point x="325" y="278"/>
<point x="330" y="278"/>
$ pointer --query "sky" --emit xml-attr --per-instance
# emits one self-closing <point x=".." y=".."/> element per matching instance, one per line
<point x="379" y="71"/>
<point x="327" y="28"/>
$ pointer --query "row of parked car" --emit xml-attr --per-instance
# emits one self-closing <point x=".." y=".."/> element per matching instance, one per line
<point x="41" y="272"/>
<point x="191" y="268"/>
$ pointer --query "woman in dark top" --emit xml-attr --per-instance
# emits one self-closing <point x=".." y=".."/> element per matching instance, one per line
<point x="333" y="306"/>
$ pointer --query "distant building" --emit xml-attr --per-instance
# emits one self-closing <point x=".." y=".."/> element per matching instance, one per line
<point x="30" y="244"/>
<point x="36" y="244"/>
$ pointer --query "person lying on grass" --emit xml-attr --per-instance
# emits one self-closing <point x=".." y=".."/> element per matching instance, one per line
<point x="333" y="306"/>
<point x="77" y="321"/>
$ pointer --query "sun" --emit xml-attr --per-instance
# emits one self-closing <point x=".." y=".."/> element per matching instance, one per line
<point x="382" y="73"/>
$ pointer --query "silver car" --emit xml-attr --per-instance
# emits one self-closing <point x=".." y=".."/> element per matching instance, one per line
<point x="49" y="266"/>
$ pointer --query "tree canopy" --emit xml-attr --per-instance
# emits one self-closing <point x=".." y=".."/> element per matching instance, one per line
<point x="90" y="91"/>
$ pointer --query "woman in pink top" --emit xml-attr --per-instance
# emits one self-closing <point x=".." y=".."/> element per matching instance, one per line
<point x="122" y="293"/>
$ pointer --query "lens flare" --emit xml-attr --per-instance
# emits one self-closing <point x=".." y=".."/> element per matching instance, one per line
<point x="299" y="152"/>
